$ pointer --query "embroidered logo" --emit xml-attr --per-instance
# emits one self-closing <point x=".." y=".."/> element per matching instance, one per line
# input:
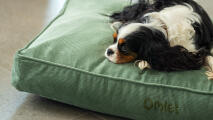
<point x="163" y="106"/>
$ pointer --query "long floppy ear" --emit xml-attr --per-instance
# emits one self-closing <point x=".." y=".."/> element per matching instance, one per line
<point x="177" y="58"/>
<point x="116" y="25"/>
<point x="156" y="50"/>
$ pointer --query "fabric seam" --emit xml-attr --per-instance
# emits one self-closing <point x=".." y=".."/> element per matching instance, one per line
<point x="45" y="28"/>
<point x="106" y="76"/>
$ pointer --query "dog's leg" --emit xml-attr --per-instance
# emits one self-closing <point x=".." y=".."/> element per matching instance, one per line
<point x="209" y="67"/>
<point x="143" y="64"/>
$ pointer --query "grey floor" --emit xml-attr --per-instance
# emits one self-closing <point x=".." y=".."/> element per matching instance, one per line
<point x="20" y="21"/>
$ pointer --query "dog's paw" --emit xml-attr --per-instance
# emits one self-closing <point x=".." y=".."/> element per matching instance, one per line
<point x="209" y="67"/>
<point x="143" y="64"/>
<point x="209" y="72"/>
<point x="209" y="75"/>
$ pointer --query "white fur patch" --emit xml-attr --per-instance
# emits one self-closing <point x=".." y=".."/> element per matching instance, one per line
<point x="132" y="27"/>
<point x="128" y="29"/>
<point x="179" y="20"/>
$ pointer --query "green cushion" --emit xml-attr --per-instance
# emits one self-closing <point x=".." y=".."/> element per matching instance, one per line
<point x="66" y="63"/>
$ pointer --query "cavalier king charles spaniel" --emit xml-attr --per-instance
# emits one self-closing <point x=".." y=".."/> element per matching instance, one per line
<point x="165" y="35"/>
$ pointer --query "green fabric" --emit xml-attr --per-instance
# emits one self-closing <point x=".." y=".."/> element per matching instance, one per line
<point x="66" y="63"/>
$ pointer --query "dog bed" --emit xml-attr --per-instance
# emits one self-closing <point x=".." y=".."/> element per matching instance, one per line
<point x="66" y="63"/>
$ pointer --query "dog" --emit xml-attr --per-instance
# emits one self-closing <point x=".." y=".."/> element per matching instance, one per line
<point x="165" y="35"/>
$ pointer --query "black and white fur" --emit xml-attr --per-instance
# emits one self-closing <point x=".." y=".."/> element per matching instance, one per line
<point x="166" y="35"/>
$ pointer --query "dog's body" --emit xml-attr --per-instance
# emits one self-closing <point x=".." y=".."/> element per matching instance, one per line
<point x="166" y="35"/>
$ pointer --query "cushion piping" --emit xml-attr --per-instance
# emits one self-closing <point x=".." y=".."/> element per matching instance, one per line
<point x="45" y="28"/>
<point x="19" y="56"/>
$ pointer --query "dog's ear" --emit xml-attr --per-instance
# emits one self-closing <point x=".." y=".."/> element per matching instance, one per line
<point x="116" y="25"/>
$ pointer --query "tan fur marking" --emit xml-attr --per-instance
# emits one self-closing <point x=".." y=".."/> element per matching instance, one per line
<point x="121" y="58"/>
<point x="115" y="35"/>
<point x="120" y="41"/>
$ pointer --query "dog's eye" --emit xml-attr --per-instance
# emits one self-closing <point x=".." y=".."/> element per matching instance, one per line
<point x="124" y="48"/>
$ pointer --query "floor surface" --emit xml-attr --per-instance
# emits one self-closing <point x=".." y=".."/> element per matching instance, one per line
<point x="20" y="22"/>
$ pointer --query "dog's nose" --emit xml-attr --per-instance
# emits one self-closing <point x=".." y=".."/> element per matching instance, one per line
<point x="110" y="52"/>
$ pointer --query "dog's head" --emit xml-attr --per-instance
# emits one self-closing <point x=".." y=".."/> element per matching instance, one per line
<point x="132" y="41"/>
